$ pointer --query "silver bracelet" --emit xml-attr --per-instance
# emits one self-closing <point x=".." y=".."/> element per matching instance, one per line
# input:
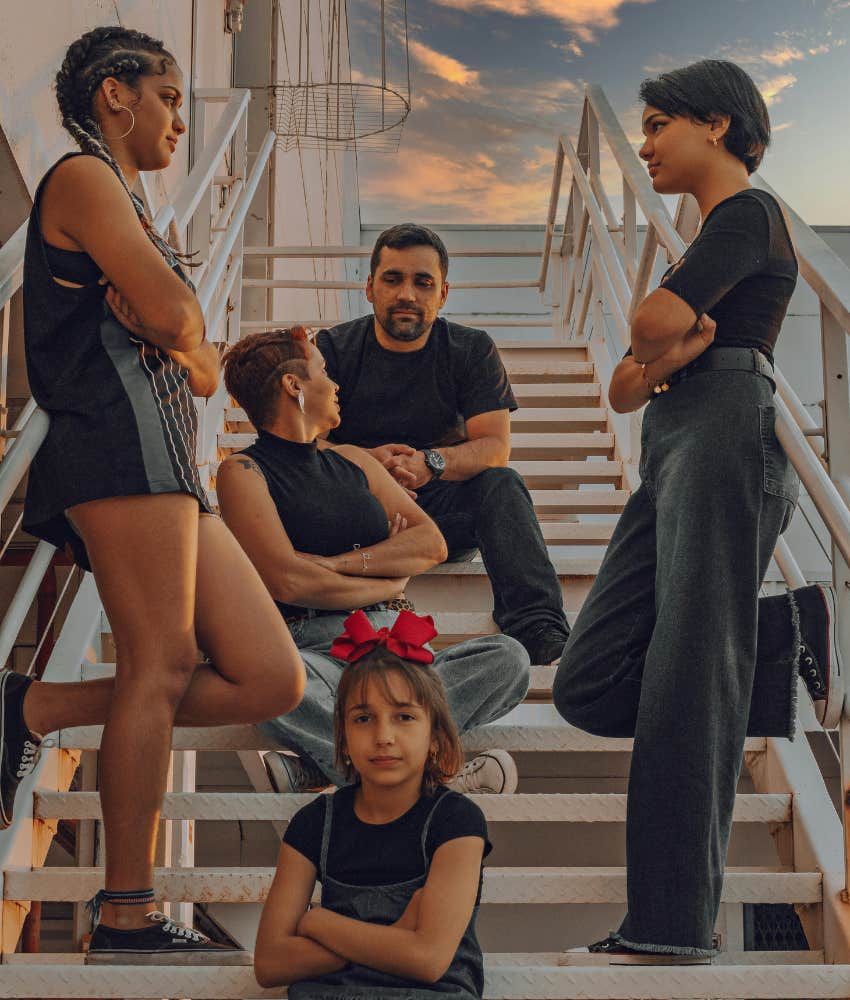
<point x="365" y="556"/>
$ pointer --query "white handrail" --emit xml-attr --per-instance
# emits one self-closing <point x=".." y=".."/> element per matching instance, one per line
<point x="12" y="263"/>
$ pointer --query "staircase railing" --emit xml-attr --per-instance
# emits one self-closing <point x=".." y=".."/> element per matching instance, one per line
<point x="606" y="272"/>
<point x="211" y="204"/>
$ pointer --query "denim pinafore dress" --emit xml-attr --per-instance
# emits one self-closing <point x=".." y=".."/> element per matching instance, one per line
<point x="384" y="904"/>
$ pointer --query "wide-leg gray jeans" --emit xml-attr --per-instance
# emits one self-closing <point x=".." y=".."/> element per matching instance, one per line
<point x="483" y="679"/>
<point x="674" y="648"/>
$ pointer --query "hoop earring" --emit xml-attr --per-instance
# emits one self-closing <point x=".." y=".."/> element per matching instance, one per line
<point x="120" y="107"/>
<point x="301" y="400"/>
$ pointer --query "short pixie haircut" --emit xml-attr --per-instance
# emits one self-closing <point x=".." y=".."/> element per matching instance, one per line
<point x="711" y="88"/>
<point x="253" y="366"/>
<point x="408" y="234"/>
<point x="426" y="689"/>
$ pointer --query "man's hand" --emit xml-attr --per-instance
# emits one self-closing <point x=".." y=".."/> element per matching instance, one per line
<point x="410" y="470"/>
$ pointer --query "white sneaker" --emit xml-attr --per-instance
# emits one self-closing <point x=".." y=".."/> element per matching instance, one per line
<point x="493" y="773"/>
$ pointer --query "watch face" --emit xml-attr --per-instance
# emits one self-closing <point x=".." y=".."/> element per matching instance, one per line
<point x="435" y="461"/>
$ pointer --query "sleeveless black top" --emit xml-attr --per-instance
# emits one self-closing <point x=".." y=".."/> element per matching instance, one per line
<point x="323" y="500"/>
<point x="122" y="418"/>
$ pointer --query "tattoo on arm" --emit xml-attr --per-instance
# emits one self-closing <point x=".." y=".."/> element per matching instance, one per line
<point x="249" y="464"/>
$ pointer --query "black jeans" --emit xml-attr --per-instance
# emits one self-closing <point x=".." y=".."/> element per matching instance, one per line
<point x="493" y="512"/>
<point x="674" y="648"/>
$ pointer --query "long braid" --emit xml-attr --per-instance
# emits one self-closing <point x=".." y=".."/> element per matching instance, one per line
<point x="109" y="51"/>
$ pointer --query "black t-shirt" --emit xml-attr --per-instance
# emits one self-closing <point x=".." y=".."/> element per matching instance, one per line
<point x="741" y="270"/>
<point x="383" y="853"/>
<point x="422" y="398"/>
<point x="323" y="500"/>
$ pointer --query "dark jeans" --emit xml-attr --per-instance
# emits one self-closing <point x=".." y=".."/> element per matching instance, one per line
<point x="493" y="512"/>
<point x="673" y="646"/>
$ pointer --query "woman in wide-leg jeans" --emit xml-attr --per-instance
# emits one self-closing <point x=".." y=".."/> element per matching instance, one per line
<point x="672" y="645"/>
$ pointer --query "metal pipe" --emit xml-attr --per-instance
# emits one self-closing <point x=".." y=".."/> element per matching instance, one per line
<point x="202" y="174"/>
<point x="214" y="273"/>
<point x="31" y="429"/>
<point x="20" y="604"/>
<point x="824" y="493"/>
<point x="603" y="239"/>
<point x="788" y="565"/>
<point x="554" y="195"/>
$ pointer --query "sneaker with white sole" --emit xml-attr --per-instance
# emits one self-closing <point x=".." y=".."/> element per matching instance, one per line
<point x="820" y="655"/>
<point x="162" y="942"/>
<point x="611" y="952"/>
<point x="20" y="748"/>
<point x="289" y="773"/>
<point x="491" y="773"/>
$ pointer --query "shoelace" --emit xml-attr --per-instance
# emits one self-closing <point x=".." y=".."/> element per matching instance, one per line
<point x="176" y="929"/>
<point x="30" y="756"/>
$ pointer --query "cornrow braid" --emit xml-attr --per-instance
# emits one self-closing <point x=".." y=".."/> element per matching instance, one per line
<point x="125" y="54"/>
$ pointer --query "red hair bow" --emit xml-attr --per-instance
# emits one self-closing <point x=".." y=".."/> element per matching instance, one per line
<point x="406" y="638"/>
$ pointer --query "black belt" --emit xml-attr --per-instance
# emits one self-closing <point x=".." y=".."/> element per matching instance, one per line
<point x="721" y="359"/>
<point x="396" y="604"/>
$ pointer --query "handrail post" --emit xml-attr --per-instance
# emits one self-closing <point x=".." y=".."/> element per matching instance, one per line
<point x="836" y="391"/>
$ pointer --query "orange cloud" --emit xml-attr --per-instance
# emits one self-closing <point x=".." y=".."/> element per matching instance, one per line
<point x="446" y="189"/>
<point x="772" y="89"/>
<point x="443" y="66"/>
<point x="583" y="16"/>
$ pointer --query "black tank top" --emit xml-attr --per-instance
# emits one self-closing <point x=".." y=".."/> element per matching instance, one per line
<point x="323" y="500"/>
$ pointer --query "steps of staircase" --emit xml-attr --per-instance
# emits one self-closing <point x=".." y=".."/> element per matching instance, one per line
<point x="548" y="447"/>
<point x="502" y="886"/>
<point x="561" y="738"/>
<point x="522" y="808"/>
<point x="536" y="419"/>
<point x="566" y="394"/>
<point x="551" y="474"/>
<point x="548" y="370"/>
<point x="550" y="504"/>
<point x="67" y="979"/>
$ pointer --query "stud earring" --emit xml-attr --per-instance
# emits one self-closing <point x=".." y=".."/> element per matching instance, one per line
<point x="714" y="140"/>
<point x="301" y="400"/>
<point x="120" y="107"/>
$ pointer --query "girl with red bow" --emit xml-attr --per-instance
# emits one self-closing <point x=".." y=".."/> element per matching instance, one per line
<point x="398" y="854"/>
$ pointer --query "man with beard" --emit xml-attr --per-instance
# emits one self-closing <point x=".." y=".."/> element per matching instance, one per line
<point x="431" y="400"/>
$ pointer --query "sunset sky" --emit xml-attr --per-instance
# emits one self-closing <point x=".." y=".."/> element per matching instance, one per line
<point x="495" y="81"/>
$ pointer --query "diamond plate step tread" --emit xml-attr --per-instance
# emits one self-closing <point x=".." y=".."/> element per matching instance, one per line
<point x="21" y="981"/>
<point x="522" y="808"/>
<point x="501" y="885"/>
<point x="525" y="739"/>
<point x="594" y="415"/>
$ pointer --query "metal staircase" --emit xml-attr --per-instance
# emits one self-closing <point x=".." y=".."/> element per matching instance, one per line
<point x="556" y="877"/>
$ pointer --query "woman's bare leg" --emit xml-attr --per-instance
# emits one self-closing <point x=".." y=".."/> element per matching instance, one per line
<point x="257" y="672"/>
<point x="143" y="550"/>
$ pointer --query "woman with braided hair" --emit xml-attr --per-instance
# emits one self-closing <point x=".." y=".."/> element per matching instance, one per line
<point x="115" y="351"/>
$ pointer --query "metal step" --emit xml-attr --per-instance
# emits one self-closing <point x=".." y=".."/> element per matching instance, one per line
<point x="530" y="419"/>
<point x="549" y="371"/>
<point x="560" y="738"/>
<point x="61" y="980"/>
<point x="548" y="447"/>
<point x="552" y="504"/>
<point x="555" y="474"/>
<point x="523" y="446"/>
<point x="566" y="394"/>
<point x="533" y="808"/>
<point x="502" y="886"/>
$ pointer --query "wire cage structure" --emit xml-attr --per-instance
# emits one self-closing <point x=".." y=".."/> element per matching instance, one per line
<point x="320" y="109"/>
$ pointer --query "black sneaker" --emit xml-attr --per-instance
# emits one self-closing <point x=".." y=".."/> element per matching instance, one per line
<point x="820" y="656"/>
<point x="19" y="748"/>
<point x="545" y="648"/>
<point x="164" y="942"/>
<point x="611" y="952"/>
<point x="289" y="773"/>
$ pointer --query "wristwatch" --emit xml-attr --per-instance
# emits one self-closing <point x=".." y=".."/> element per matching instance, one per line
<point x="435" y="462"/>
